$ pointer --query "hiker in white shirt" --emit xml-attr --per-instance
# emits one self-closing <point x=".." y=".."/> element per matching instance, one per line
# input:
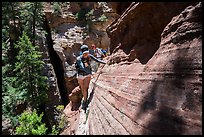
<point x="98" y="54"/>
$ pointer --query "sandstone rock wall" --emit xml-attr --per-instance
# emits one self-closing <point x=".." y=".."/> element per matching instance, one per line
<point x="137" y="31"/>
<point x="159" y="90"/>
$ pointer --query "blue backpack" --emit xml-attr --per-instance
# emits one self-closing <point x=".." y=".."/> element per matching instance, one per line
<point x="104" y="51"/>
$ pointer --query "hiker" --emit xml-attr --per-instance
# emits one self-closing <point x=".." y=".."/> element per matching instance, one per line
<point x="84" y="71"/>
<point x="97" y="52"/>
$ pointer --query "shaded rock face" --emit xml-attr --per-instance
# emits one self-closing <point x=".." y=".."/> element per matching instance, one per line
<point x="53" y="92"/>
<point x="137" y="31"/>
<point x="119" y="7"/>
<point x="162" y="96"/>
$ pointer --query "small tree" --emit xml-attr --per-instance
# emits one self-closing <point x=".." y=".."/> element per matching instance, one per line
<point x="31" y="18"/>
<point x="30" y="124"/>
<point x="29" y="72"/>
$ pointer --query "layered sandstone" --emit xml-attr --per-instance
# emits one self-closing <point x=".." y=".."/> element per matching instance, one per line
<point x="152" y="83"/>
<point x="137" y="31"/>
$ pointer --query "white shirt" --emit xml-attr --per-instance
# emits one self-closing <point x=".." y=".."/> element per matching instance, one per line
<point x="98" y="53"/>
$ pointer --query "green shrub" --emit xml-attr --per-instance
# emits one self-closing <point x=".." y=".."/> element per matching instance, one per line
<point x="89" y="15"/>
<point x="57" y="8"/>
<point x="55" y="131"/>
<point x="81" y="15"/>
<point x="60" y="107"/>
<point x="30" y="124"/>
<point x="60" y="117"/>
<point x="102" y="18"/>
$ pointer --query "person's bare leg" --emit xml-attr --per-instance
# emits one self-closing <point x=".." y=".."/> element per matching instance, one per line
<point x="86" y="86"/>
<point x="81" y="84"/>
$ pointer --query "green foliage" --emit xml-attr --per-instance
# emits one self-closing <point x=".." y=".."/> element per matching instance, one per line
<point x="29" y="72"/>
<point x="30" y="124"/>
<point x="11" y="13"/>
<point x="89" y="15"/>
<point x="4" y="53"/>
<point x="11" y="97"/>
<point x="17" y="86"/>
<point x="62" y="122"/>
<point x="9" y="34"/>
<point x="14" y="120"/>
<point x="60" y="117"/>
<point x="31" y="17"/>
<point x="18" y="17"/>
<point x="55" y="131"/>
<point x="57" y="8"/>
<point x="81" y="15"/>
<point x="102" y="18"/>
<point x="60" y="107"/>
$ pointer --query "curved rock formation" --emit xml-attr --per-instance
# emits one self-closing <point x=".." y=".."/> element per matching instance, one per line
<point x="137" y="32"/>
<point x="153" y="83"/>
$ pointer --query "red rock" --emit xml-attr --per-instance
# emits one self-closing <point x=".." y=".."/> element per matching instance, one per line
<point x="72" y="111"/>
<point x="152" y="84"/>
<point x="138" y="30"/>
<point x="76" y="95"/>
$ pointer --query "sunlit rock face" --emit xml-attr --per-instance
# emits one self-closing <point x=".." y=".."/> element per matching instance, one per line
<point x="152" y="83"/>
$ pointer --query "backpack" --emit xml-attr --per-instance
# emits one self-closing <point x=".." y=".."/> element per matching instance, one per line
<point x="104" y="51"/>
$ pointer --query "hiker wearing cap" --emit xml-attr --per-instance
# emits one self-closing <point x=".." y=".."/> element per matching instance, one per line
<point x="97" y="52"/>
<point x="84" y="71"/>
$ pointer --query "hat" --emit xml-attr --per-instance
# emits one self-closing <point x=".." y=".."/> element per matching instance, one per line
<point x="84" y="49"/>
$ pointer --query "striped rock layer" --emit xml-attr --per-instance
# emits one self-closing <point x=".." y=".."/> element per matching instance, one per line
<point x="154" y="87"/>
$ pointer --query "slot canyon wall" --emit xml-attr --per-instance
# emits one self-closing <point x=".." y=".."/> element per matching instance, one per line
<point x="152" y="83"/>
